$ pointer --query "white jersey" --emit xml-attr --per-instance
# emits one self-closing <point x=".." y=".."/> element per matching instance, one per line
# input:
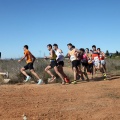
<point x="60" y="56"/>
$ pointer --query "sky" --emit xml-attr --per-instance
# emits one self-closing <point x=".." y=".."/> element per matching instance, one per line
<point x="40" y="22"/>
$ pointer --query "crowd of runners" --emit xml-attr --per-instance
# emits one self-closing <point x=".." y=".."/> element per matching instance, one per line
<point x="83" y="61"/>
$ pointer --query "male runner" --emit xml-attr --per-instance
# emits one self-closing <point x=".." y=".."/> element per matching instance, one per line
<point x="53" y="64"/>
<point x="102" y="61"/>
<point x="60" y="61"/>
<point x="95" y="58"/>
<point x="30" y="59"/>
<point x="84" y="61"/>
<point x="90" y="62"/>
<point x="73" y="54"/>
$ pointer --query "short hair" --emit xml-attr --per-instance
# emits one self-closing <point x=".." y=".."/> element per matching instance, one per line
<point x="87" y="49"/>
<point x="73" y="46"/>
<point x="55" y="45"/>
<point x="49" y="45"/>
<point x="69" y="44"/>
<point x="94" y="46"/>
<point x="26" y="46"/>
<point x="98" y="49"/>
<point x="82" y="49"/>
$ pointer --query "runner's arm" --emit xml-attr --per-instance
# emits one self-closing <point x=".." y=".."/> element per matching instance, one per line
<point x="22" y="58"/>
<point x="60" y="51"/>
<point x="77" y="52"/>
<point x="34" y="58"/>
<point x="60" y="54"/>
<point x="69" y="57"/>
<point x="50" y="56"/>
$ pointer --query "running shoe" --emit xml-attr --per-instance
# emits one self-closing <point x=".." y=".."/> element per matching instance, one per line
<point x="40" y="82"/>
<point x="104" y="74"/>
<point x="67" y="80"/>
<point x="52" y="79"/>
<point x="28" y="78"/>
<point x="74" y="82"/>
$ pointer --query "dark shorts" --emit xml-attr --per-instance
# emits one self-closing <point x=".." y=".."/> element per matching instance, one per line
<point x="29" y="66"/>
<point x="90" y="68"/>
<point x="76" y="64"/>
<point x="85" y="64"/>
<point x="53" y="63"/>
<point x="61" y="63"/>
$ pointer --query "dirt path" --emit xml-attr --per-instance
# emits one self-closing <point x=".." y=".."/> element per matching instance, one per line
<point x="83" y="101"/>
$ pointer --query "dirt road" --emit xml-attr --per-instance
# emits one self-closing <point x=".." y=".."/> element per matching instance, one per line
<point x="83" y="101"/>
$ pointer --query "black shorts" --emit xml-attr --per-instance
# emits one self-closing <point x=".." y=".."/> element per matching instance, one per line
<point x="90" y="67"/>
<point x="61" y="63"/>
<point x="85" y="64"/>
<point x="53" y="63"/>
<point x="29" y="66"/>
<point x="76" y="64"/>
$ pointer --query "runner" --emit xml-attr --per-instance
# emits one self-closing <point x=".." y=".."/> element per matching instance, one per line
<point x="84" y="61"/>
<point x="73" y="54"/>
<point x="90" y="62"/>
<point x="95" y="58"/>
<point x="60" y="61"/>
<point x="30" y="59"/>
<point x="102" y="62"/>
<point x="53" y="64"/>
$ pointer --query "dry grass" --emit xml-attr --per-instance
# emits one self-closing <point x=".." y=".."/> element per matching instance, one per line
<point x="13" y="67"/>
<point x="1" y="79"/>
<point x="113" y="66"/>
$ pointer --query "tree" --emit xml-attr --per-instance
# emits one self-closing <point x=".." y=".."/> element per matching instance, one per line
<point x="117" y="53"/>
<point x="107" y="53"/>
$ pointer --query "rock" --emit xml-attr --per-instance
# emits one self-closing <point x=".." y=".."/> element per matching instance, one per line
<point x="6" y="80"/>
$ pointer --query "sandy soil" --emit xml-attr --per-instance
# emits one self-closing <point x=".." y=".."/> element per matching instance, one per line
<point x="95" y="100"/>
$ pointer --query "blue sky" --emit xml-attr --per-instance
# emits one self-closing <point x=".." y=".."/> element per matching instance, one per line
<point x="40" y="22"/>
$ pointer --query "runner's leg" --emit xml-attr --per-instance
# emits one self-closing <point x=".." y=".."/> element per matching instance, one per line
<point x="75" y="73"/>
<point x="85" y="72"/>
<point x="47" y="69"/>
<point x="23" y="72"/>
<point x="35" y="74"/>
<point x="60" y="68"/>
<point x="59" y="74"/>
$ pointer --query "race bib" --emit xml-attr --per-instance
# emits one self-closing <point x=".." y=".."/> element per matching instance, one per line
<point x="72" y="58"/>
<point x="96" y="59"/>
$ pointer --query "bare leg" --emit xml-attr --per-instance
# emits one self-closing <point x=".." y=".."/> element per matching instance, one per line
<point x="79" y="72"/>
<point x="61" y="71"/>
<point x="104" y="67"/>
<point x="60" y="68"/>
<point x="59" y="74"/>
<point x="94" y="70"/>
<point x="75" y="73"/>
<point x="35" y="74"/>
<point x="23" y="72"/>
<point x="85" y="73"/>
<point x="47" y="69"/>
